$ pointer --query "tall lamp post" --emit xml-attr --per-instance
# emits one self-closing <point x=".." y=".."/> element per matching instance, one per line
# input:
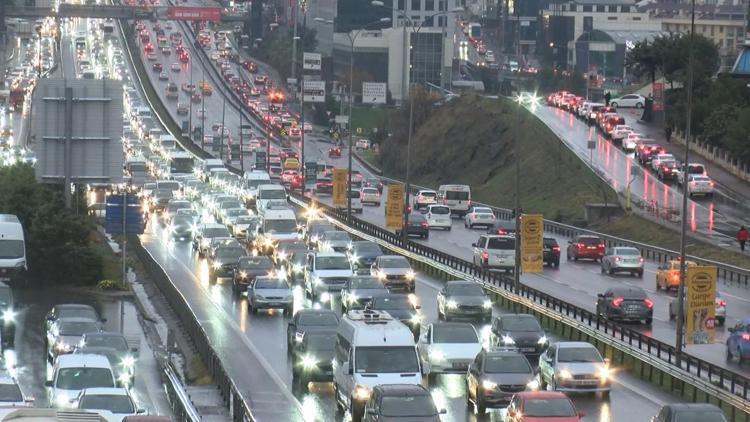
<point x="407" y="20"/>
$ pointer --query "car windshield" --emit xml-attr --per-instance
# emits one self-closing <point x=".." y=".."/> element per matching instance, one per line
<point x="168" y="185"/>
<point x="700" y="178"/>
<point x="540" y="408"/>
<point x="80" y="378"/>
<point x="216" y="232"/>
<point x="370" y="191"/>
<point x="318" y="318"/>
<point x="78" y="328"/>
<point x="506" y="243"/>
<point x="386" y="359"/>
<point x="365" y="283"/>
<point x="337" y="236"/>
<point x="440" y="210"/>
<point x="394" y="262"/>
<point x="520" y="324"/>
<point x="11" y="249"/>
<point x="407" y="406"/>
<point x="115" y="403"/>
<point x="392" y="303"/>
<point x="367" y="247"/>
<point x="280" y="226"/>
<point x="465" y="289"/>
<point x="271" y="284"/>
<point x="700" y="416"/>
<point x="320" y="341"/>
<point x="230" y="254"/>
<point x="628" y="251"/>
<point x="10" y="393"/>
<point x="482" y="211"/>
<point x="506" y="364"/>
<point x="113" y="342"/>
<point x="454" y="334"/>
<point x="77" y="312"/>
<point x="273" y="193"/>
<point x="182" y="220"/>
<point x="230" y="204"/>
<point x="256" y="263"/>
<point x="432" y="195"/>
<point x="235" y="212"/>
<point x="245" y="220"/>
<point x="332" y="263"/>
<point x="457" y="196"/>
<point x="578" y="354"/>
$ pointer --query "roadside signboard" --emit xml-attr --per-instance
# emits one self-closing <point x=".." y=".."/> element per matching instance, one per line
<point x="314" y="91"/>
<point x="311" y="61"/>
<point x="113" y="220"/>
<point x="700" y="306"/>
<point x="394" y="207"/>
<point x="187" y="13"/>
<point x="373" y="92"/>
<point x="311" y="171"/>
<point x="339" y="187"/>
<point x="532" y="234"/>
<point x="658" y="92"/>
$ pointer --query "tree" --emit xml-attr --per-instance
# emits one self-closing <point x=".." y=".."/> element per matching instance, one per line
<point x="276" y="49"/>
<point x="643" y="59"/>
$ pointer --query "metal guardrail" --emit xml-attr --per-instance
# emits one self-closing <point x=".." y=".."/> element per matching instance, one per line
<point x="182" y="406"/>
<point x="726" y="385"/>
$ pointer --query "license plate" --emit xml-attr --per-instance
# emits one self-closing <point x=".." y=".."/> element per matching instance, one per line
<point x="591" y="247"/>
<point x="460" y="365"/>
<point x="586" y="382"/>
<point x="528" y="349"/>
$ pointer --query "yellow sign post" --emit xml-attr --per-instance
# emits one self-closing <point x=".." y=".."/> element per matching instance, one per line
<point x="394" y="206"/>
<point x="339" y="187"/>
<point x="532" y="234"/>
<point x="700" y="307"/>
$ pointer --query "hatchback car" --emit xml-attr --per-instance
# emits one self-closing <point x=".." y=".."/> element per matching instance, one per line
<point x="495" y="376"/>
<point x="585" y="247"/>
<point x="551" y="252"/>
<point x="686" y="412"/>
<point x="117" y="350"/>
<point x="392" y="402"/>
<point x="479" y="216"/>
<point x="306" y="320"/>
<point x="334" y="241"/>
<point x="520" y="331"/>
<point x="416" y="225"/>
<point x="622" y="259"/>
<point x="463" y="299"/>
<point x="247" y="270"/>
<point x="223" y="261"/>
<point x="449" y="347"/>
<point x="312" y="359"/>
<point x="438" y="216"/>
<point x="549" y="406"/>
<point x="65" y="333"/>
<point x="625" y="303"/>
<point x="270" y="293"/>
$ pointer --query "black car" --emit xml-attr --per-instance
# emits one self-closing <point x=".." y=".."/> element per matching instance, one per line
<point x="502" y="227"/>
<point x="248" y="268"/>
<point x="494" y="377"/>
<point x="362" y="254"/>
<point x="401" y="307"/>
<point x="290" y="255"/>
<point x="685" y="412"/>
<point x="359" y="290"/>
<point x="181" y="227"/>
<point x="391" y="402"/>
<point x="625" y="303"/>
<point x="307" y="320"/>
<point x="551" y="252"/>
<point x="223" y="261"/>
<point x="312" y="359"/>
<point x="520" y="331"/>
<point x="417" y="225"/>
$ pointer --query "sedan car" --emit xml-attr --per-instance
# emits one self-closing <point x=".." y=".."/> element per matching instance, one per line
<point x="494" y="377"/>
<point x="362" y="254"/>
<point x="115" y="347"/>
<point x="448" y="347"/>
<point x="424" y="198"/>
<point x="65" y="333"/>
<point x="622" y="259"/>
<point x="549" y="406"/>
<point x="438" y="216"/>
<point x="395" y="271"/>
<point x="370" y="196"/>
<point x="391" y="402"/>
<point x="182" y="109"/>
<point x="72" y="310"/>
<point x="463" y="299"/>
<point x="416" y="225"/>
<point x="334" y="241"/>
<point x="585" y="247"/>
<point x="519" y="331"/>
<point x="359" y="291"/>
<point x="625" y="303"/>
<point x="399" y="306"/>
<point x="224" y="260"/>
<point x="163" y="76"/>
<point x="479" y="216"/>
<point x="313" y="357"/>
<point x="176" y="67"/>
<point x="116" y="401"/>
<point x="270" y="293"/>
<point x="247" y="270"/>
<point x="306" y="320"/>
<point x="574" y="366"/>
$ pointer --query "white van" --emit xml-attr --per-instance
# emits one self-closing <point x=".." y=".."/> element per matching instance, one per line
<point x="372" y="348"/>
<point x="168" y="142"/>
<point x="267" y="193"/>
<point x="208" y="164"/>
<point x="75" y="372"/>
<point x="154" y="133"/>
<point x="356" y="196"/>
<point x="277" y="225"/>
<point x="455" y="197"/>
<point x="254" y="179"/>
<point x="12" y="249"/>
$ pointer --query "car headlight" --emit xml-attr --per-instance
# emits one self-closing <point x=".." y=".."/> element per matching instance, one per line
<point x="124" y="378"/>
<point x="354" y="259"/>
<point x="452" y="304"/>
<point x="297" y="268"/>
<point x="317" y="281"/>
<point x="564" y="374"/>
<point x="314" y="239"/>
<point x="508" y="340"/>
<point x="604" y="373"/>
<point x="542" y="340"/>
<point x="416" y="319"/>
<point x="533" y="385"/>
<point x="410" y="275"/>
<point x="309" y="362"/>
<point x="325" y="297"/>
<point x="352" y="298"/>
<point x="217" y="265"/>
<point x="62" y="400"/>
<point x="243" y="274"/>
<point x="489" y="385"/>
<point x="487" y="304"/>
<point x="9" y="315"/>
<point x="61" y="346"/>
<point x="205" y="243"/>
<point x="128" y="362"/>
<point x="362" y="392"/>
<point x="436" y="355"/>
<point x="281" y="256"/>
<point x="298" y="336"/>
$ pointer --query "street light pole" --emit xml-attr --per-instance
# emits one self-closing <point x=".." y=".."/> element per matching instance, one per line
<point x="294" y="39"/>
<point x="517" y="152"/>
<point x="683" y="230"/>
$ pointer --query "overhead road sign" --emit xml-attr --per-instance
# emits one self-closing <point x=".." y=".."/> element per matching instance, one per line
<point x="114" y="221"/>
<point x="314" y="91"/>
<point x="373" y="92"/>
<point x="189" y="13"/>
<point x="311" y="61"/>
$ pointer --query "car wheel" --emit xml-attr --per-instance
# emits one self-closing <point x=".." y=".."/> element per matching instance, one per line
<point x="649" y="321"/>
<point x="638" y="105"/>
<point x="611" y="271"/>
<point x="640" y="274"/>
<point x="729" y="354"/>
<point x="481" y="406"/>
<point x="602" y="270"/>
<point x="613" y="105"/>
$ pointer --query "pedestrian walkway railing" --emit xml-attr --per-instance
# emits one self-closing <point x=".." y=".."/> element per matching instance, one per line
<point x="182" y="406"/>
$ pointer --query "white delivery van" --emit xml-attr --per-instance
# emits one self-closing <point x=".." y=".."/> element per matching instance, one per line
<point x="372" y="348"/>
<point x="267" y="193"/>
<point x="168" y="142"/>
<point x="12" y="249"/>
<point x="455" y="197"/>
<point x="254" y="179"/>
<point x="277" y="225"/>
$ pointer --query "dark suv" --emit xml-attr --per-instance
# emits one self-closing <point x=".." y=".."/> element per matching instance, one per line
<point x="416" y="225"/>
<point x="551" y="252"/>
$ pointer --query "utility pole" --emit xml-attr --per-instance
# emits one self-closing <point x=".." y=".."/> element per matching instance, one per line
<point x="295" y="10"/>
<point x="517" y="152"/>
<point x="223" y="115"/>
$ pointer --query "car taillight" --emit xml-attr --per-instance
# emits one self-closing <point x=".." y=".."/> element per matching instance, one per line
<point x="500" y="231"/>
<point x="745" y="336"/>
<point x="556" y="248"/>
<point x="485" y="256"/>
<point x="721" y="302"/>
<point x="649" y="303"/>
<point x="640" y="259"/>
<point x="600" y="246"/>
<point x="617" y="301"/>
<point x="579" y="245"/>
<point x="711" y="183"/>
<point x="617" y="259"/>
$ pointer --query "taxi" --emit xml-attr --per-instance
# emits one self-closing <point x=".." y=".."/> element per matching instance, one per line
<point x="668" y="275"/>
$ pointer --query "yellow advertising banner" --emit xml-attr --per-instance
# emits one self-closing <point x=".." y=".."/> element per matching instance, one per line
<point x="700" y="307"/>
<point x="394" y="207"/>
<point x="339" y="187"/>
<point x="532" y="235"/>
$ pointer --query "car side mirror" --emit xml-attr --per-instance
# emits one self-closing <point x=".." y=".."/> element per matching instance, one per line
<point x="581" y="413"/>
<point x="140" y="411"/>
<point x="418" y="307"/>
<point x="600" y="295"/>
<point x="570" y="242"/>
<point x="426" y="368"/>
<point x="103" y="320"/>
<point x="29" y="400"/>
<point x="474" y="244"/>
<point x="512" y="413"/>
<point x="443" y="411"/>
<point x="731" y="329"/>
<point x="49" y="383"/>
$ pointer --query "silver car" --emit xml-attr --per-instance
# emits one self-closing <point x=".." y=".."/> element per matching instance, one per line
<point x="65" y="333"/>
<point x="334" y="241"/>
<point x="574" y="366"/>
<point x="622" y="259"/>
<point x="449" y="347"/>
<point x="270" y="293"/>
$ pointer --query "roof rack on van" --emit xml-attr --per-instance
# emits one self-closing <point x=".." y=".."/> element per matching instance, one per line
<point x="370" y="316"/>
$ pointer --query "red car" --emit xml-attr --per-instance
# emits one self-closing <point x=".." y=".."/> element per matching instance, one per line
<point x="542" y="406"/>
<point x="586" y="247"/>
<point x="157" y="67"/>
<point x="334" y="152"/>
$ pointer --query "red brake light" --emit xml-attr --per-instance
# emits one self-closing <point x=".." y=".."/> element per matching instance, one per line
<point x="579" y="245"/>
<point x="648" y="302"/>
<point x="556" y="248"/>
<point x="501" y="231"/>
<point x="424" y="224"/>
<point x="745" y="336"/>
<point x="485" y="256"/>
<point x="617" y="301"/>
<point x="721" y="302"/>
<point x="600" y="246"/>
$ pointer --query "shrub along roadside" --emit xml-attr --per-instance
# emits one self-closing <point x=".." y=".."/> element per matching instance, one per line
<point x="59" y="243"/>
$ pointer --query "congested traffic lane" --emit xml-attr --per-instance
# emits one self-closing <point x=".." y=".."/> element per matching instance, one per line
<point x="579" y="282"/>
<point x="267" y="331"/>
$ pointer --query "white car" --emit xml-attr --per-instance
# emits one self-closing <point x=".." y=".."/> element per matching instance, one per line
<point x="75" y="372"/>
<point x="176" y="67"/>
<point x="631" y="141"/>
<point x="630" y="100"/>
<point x="115" y="402"/>
<point x="700" y="185"/>
<point x="12" y="395"/>
<point x="479" y="216"/>
<point x="438" y="216"/>
<point x="620" y="132"/>
<point x="363" y="144"/>
<point x="449" y="347"/>
<point x="424" y="198"/>
<point x="661" y="158"/>
<point x="370" y="196"/>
